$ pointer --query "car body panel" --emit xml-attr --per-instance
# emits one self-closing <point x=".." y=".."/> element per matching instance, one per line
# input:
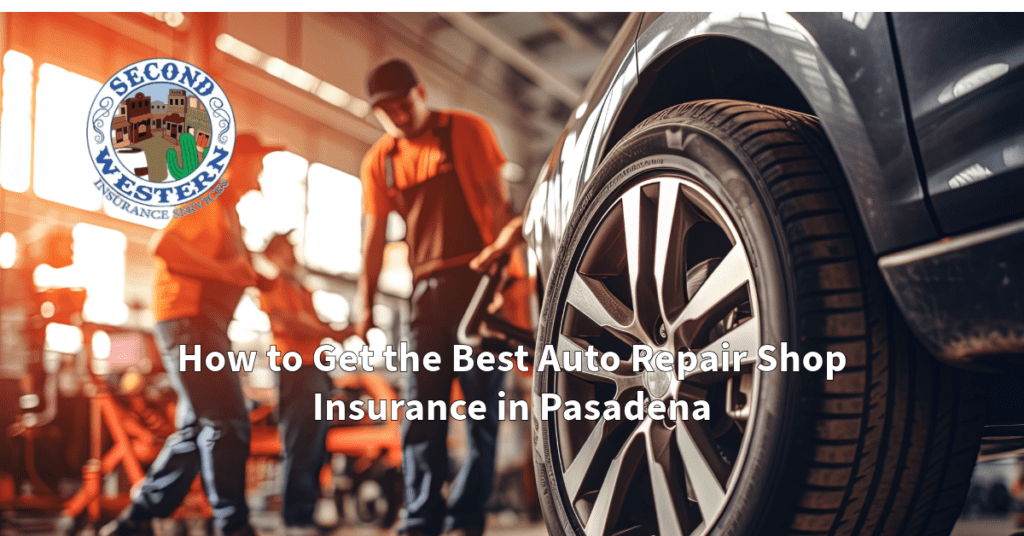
<point x="963" y="296"/>
<point x="853" y="88"/>
<point x="965" y="76"/>
<point x="572" y="159"/>
<point x="847" y="69"/>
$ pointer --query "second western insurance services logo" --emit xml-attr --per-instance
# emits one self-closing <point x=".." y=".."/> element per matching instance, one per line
<point x="161" y="133"/>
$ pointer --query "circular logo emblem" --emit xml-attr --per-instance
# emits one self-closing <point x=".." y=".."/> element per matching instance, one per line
<point x="161" y="133"/>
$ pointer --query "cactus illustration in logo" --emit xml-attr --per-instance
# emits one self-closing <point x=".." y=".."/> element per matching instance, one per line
<point x="189" y="158"/>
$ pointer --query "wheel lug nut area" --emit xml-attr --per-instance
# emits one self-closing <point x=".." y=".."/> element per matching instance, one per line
<point x="658" y="383"/>
<point x="660" y="332"/>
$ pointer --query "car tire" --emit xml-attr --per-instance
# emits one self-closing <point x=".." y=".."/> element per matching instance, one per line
<point x="751" y="201"/>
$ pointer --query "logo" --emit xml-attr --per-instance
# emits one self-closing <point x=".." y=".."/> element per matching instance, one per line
<point x="161" y="133"/>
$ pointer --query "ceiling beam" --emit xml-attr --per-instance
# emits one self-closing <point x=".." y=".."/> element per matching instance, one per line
<point x="504" y="48"/>
<point x="569" y="33"/>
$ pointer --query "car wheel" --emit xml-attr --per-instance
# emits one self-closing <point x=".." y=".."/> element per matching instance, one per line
<point x="728" y="221"/>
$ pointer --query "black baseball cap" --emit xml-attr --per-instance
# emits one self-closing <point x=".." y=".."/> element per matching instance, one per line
<point x="390" y="80"/>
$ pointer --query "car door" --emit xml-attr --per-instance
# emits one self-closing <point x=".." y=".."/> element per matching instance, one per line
<point x="964" y="77"/>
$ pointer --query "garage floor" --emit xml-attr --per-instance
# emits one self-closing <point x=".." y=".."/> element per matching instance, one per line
<point x="991" y="526"/>
<point x="996" y="526"/>
<point x="270" y="525"/>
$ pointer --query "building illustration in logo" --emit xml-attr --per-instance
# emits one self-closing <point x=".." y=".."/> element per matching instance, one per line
<point x="161" y="133"/>
<point x="149" y="128"/>
<point x="197" y="123"/>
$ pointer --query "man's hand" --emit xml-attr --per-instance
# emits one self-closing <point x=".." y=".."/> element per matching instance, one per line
<point x="511" y="236"/>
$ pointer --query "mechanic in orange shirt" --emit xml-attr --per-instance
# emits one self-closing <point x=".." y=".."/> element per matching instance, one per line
<point x="296" y="328"/>
<point x="202" y="269"/>
<point x="440" y="171"/>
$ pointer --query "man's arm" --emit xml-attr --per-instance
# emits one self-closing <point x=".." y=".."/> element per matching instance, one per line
<point x="494" y="191"/>
<point x="373" y="261"/>
<point x="510" y="237"/>
<point x="305" y="325"/>
<point x="182" y="258"/>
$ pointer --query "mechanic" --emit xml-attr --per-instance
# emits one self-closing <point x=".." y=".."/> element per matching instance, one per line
<point x="202" y="269"/>
<point x="440" y="171"/>
<point x="297" y="328"/>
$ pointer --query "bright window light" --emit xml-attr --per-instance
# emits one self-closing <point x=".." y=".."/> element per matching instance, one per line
<point x="62" y="165"/>
<point x="248" y="313"/>
<point x="100" y="268"/>
<point x="334" y="235"/>
<point x="281" y="206"/>
<point x="8" y="250"/>
<point x="251" y="216"/>
<point x="330" y="306"/>
<point x="100" y="345"/>
<point x="63" y="338"/>
<point x="249" y="321"/>
<point x="16" y="122"/>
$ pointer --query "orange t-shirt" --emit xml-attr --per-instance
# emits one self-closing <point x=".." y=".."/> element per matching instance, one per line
<point x="477" y="161"/>
<point x="287" y="296"/>
<point x="178" y="296"/>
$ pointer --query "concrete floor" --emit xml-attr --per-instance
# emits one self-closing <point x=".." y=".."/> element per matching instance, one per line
<point x="270" y="525"/>
<point x="989" y="526"/>
<point x="973" y="527"/>
<point x="497" y="525"/>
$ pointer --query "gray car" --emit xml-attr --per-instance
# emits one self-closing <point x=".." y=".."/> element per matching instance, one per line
<point x="843" y="183"/>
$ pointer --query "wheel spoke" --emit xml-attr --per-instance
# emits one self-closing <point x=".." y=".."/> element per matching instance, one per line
<point x="613" y="489"/>
<point x="631" y="214"/>
<point x="675" y="219"/>
<point x="624" y="378"/>
<point x="638" y="221"/>
<point x="745" y="337"/>
<point x="690" y="287"/>
<point x="689" y="391"/>
<point x="705" y="470"/>
<point x="732" y="274"/>
<point x="670" y="500"/>
<point x="666" y="273"/>
<point x="582" y="465"/>
<point x="591" y="298"/>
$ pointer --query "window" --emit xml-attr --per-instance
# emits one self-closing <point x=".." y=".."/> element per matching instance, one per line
<point x="60" y="154"/>
<point x="55" y="150"/>
<point x="100" y="259"/>
<point x="99" y="267"/>
<point x="334" y="222"/>
<point x="281" y="206"/>
<point x="16" y="122"/>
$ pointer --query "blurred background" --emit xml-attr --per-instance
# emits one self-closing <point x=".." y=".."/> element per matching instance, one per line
<point x="297" y="81"/>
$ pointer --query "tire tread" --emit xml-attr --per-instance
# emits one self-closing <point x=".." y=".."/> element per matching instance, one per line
<point x="912" y="454"/>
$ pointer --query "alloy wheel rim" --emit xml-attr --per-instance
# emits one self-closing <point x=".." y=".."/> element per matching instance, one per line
<point x="665" y="267"/>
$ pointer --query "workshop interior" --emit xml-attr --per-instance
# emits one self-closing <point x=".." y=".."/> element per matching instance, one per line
<point x="846" y="182"/>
